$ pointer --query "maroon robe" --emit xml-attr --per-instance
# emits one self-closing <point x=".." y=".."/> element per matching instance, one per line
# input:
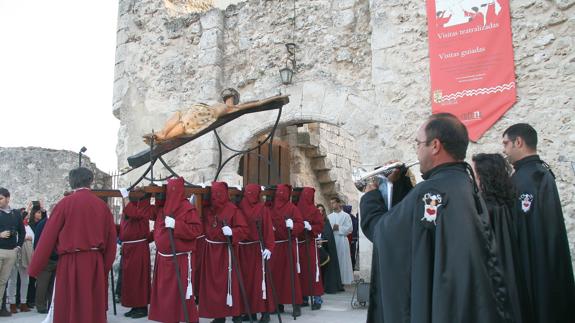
<point x="81" y="229"/>
<point x="134" y="234"/>
<point x="215" y="289"/>
<point x="197" y="262"/>
<point x="282" y="209"/>
<point x="165" y="301"/>
<point x="311" y="214"/>
<point x="250" y="251"/>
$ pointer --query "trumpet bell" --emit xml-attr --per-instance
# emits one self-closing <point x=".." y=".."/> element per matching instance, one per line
<point x="361" y="177"/>
<point x="358" y="174"/>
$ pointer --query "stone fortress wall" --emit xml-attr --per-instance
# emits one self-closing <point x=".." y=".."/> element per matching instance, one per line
<point x="362" y="70"/>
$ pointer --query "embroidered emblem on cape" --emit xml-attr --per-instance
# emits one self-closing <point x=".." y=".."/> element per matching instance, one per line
<point x="432" y="203"/>
<point x="526" y="200"/>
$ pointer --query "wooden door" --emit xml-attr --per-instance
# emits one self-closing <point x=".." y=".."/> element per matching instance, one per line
<point x="257" y="170"/>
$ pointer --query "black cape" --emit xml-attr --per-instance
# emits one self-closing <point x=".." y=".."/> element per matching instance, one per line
<point x="502" y="216"/>
<point x="330" y="271"/>
<point x="436" y="254"/>
<point x="544" y="248"/>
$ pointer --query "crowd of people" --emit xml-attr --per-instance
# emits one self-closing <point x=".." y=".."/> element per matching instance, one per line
<point x="20" y="231"/>
<point x="484" y="242"/>
<point x="224" y="257"/>
<point x="470" y="243"/>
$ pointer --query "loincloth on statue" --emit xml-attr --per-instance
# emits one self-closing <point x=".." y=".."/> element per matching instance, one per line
<point x="198" y="117"/>
<point x="194" y="119"/>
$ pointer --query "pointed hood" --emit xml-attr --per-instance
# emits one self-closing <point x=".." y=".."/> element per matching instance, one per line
<point x="252" y="194"/>
<point x="306" y="203"/>
<point x="175" y="195"/>
<point x="219" y="195"/>
<point x="251" y="203"/>
<point x="282" y="196"/>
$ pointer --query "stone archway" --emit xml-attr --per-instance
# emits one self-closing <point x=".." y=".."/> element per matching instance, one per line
<point x="321" y="155"/>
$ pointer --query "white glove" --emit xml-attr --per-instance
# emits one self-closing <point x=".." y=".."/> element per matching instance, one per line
<point x="170" y="222"/>
<point x="289" y="223"/>
<point x="266" y="254"/>
<point x="192" y="199"/>
<point x="124" y="191"/>
<point x="227" y="231"/>
<point x="307" y="225"/>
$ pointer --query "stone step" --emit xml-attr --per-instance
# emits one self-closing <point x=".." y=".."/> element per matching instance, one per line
<point x="317" y="152"/>
<point x="321" y="163"/>
<point x="328" y="189"/>
<point x="324" y="177"/>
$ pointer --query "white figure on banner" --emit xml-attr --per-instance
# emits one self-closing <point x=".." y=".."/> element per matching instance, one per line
<point x="458" y="12"/>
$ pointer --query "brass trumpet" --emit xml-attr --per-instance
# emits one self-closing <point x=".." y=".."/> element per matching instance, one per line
<point x="361" y="176"/>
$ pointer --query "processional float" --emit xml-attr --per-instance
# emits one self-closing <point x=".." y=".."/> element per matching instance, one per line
<point x="156" y="151"/>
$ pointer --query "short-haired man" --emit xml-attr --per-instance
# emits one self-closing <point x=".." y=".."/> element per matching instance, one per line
<point x="341" y="226"/>
<point x="12" y="233"/>
<point x="436" y="255"/>
<point x="81" y="229"/>
<point x="544" y="248"/>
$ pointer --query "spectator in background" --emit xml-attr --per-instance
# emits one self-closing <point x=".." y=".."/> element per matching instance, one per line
<point x="12" y="235"/>
<point x="353" y="236"/>
<point x="19" y="270"/>
<point x="36" y="214"/>
<point x="45" y="280"/>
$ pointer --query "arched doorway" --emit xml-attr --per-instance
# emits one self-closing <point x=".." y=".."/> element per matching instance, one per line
<point x="313" y="154"/>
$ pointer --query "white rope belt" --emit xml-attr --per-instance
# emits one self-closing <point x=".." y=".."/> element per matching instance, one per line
<point x="297" y="253"/>
<point x="316" y="259"/>
<point x="297" y="256"/>
<point x="229" y="299"/>
<point x="215" y="242"/>
<point x="247" y="243"/>
<point x="189" y="289"/>
<point x="135" y="241"/>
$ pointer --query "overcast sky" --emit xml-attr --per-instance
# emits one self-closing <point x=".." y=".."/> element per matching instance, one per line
<point x="57" y="74"/>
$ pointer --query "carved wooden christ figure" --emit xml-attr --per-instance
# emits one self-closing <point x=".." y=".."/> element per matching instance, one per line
<point x="200" y="116"/>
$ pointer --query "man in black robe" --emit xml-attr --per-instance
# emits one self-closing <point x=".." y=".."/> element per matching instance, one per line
<point x="543" y="244"/>
<point x="330" y="271"/>
<point x="436" y="256"/>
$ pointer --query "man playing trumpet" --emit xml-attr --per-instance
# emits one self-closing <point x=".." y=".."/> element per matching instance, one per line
<point x="435" y="243"/>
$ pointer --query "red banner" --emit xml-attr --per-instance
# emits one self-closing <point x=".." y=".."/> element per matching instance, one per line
<point x="471" y="58"/>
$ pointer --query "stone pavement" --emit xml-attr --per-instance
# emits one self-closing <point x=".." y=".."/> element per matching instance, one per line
<point x="335" y="309"/>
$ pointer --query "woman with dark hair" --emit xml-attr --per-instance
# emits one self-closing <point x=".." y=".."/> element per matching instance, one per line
<point x="330" y="270"/>
<point x="37" y="214"/>
<point x="492" y="173"/>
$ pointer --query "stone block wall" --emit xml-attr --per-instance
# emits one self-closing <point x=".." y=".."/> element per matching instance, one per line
<point x="33" y="174"/>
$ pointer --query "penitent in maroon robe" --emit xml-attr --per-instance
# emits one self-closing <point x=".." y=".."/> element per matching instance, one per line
<point x="134" y="234"/>
<point x="310" y="258"/>
<point x="250" y="251"/>
<point x="219" y="287"/>
<point x="165" y="301"/>
<point x="282" y="209"/>
<point x="81" y="229"/>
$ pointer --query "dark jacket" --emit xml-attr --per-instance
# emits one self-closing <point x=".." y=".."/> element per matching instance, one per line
<point x="12" y="222"/>
<point x="38" y="228"/>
